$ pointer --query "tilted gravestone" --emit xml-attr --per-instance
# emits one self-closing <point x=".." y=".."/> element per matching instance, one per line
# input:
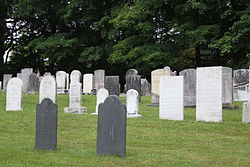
<point x="240" y="85"/>
<point x="112" y="85"/>
<point x="46" y="125"/>
<point x="111" y="127"/>
<point x="145" y="87"/>
<point x="189" y="87"/>
<point x="61" y="78"/>
<point x="209" y="93"/>
<point x="99" y="79"/>
<point x="47" y="89"/>
<point x="6" y="78"/>
<point x="171" y="98"/>
<point x="14" y="95"/>
<point x="246" y="112"/>
<point x="87" y="83"/>
<point x="33" y="86"/>
<point x="132" y="103"/>
<point x="75" y="76"/>
<point x="75" y="99"/>
<point x="101" y="95"/>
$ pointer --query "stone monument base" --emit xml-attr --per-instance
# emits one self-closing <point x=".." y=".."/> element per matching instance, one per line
<point x="134" y="115"/>
<point x="75" y="110"/>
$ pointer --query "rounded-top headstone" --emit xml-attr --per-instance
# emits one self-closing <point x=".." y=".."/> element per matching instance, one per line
<point x="75" y="76"/>
<point x="47" y="89"/>
<point x="132" y="103"/>
<point x="14" y="94"/>
<point x="132" y="72"/>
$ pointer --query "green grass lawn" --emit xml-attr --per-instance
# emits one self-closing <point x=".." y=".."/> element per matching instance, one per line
<point x="150" y="141"/>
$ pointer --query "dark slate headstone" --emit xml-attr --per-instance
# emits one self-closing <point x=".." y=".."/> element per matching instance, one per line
<point x="111" y="127"/>
<point x="112" y="85"/>
<point x="33" y="84"/>
<point x="133" y="82"/>
<point x="46" y="125"/>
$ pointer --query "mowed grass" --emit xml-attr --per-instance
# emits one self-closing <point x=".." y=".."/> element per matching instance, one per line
<point x="150" y="141"/>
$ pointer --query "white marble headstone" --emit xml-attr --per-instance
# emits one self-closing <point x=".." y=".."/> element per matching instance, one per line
<point x="75" y="76"/>
<point x="47" y="89"/>
<point x="246" y="112"/>
<point x="14" y="95"/>
<point x="61" y="78"/>
<point x="209" y="94"/>
<point x="87" y="83"/>
<point x="132" y="103"/>
<point x="101" y="95"/>
<point x="172" y="98"/>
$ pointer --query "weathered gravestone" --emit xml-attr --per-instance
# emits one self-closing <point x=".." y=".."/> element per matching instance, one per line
<point x="46" y="125"/>
<point x="132" y="103"/>
<point x="134" y="82"/>
<point x="0" y="85"/>
<point x="240" y="85"/>
<point x="155" y="83"/>
<point x="24" y="76"/>
<point x="131" y="72"/>
<point x="111" y="127"/>
<point x="209" y="94"/>
<point x="189" y="87"/>
<point x="87" y="83"/>
<point x="112" y="85"/>
<point x="14" y="95"/>
<point x="246" y="112"/>
<point x="67" y="82"/>
<point x="227" y="88"/>
<point x="101" y="95"/>
<point x="99" y="79"/>
<point x="75" y="76"/>
<point x="61" y="79"/>
<point x="171" y="98"/>
<point x="6" y="78"/>
<point x="47" y="89"/>
<point x="33" y="84"/>
<point x="75" y="99"/>
<point x="145" y="87"/>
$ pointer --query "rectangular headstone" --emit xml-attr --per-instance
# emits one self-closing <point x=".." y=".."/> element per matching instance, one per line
<point x="33" y="84"/>
<point x="227" y="88"/>
<point x="24" y="76"/>
<point x="246" y="112"/>
<point x="172" y="98"/>
<point x="111" y="127"/>
<point x="189" y="87"/>
<point x="6" y="78"/>
<point x="14" y="95"/>
<point x="87" y="83"/>
<point x="99" y="79"/>
<point x="61" y="79"/>
<point x="240" y="85"/>
<point x="46" y="125"/>
<point x="134" y="82"/>
<point x="209" y="94"/>
<point x="112" y="85"/>
<point x="145" y="87"/>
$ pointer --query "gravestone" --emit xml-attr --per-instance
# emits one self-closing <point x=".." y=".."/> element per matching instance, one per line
<point x="61" y="79"/>
<point x="246" y="112"/>
<point x="173" y="73"/>
<point x="99" y="79"/>
<point x="6" y="78"/>
<point x="111" y="127"/>
<point x="145" y="87"/>
<point x="227" y="88"/>
<point x="134" y="82"/>
<point x="75" y="99"/>
<point x="67" y="82"/>
<point x="132" y="103"/>
<point x="155" y="83"/>
<point x="112" y="85"/>
<point x="189" y="87"/>
<point x="46" y="125"/>
<point x="172" y="98"/>
<point x="24" y="76"/>
<point x="33" y="84"/>
<point x="0" y="85"/>
<point x="101" y="95"/>
<point x="209" y="94"/>
<point x="131" y="72"/>
<point x="47" y="74"/>
<point x="14" y="95"/>
<point x="75" y="76"/>
<point x="87" y="83"/>
<point x="240" y="85"/>
<point x="47" y="89"/>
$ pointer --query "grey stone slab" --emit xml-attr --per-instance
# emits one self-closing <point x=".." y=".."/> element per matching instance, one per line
<point x="111" y="127"/>
<point x="227" y="89"/>
<point x="46" y="125"/>
<point x="189" y="87"/>
<point x="133" y="82"/>
<point x="6" y="78"/>
<point x="145" y="87"/>
<point x="240" y="85"/>
<point x="246" y="112"/>
<point x="24" y="76"/>
<point x="112" y="85"/>
<point x="33" y="84"/>
<point x="99" y="79"/>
